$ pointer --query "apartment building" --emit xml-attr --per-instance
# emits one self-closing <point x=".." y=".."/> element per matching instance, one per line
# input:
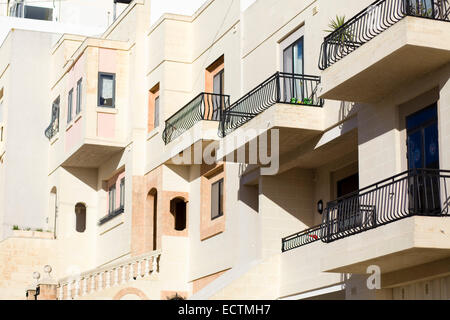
<point x="239" y="152"/>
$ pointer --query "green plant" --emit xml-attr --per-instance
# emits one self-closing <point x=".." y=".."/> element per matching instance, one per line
<point x="345" y="35"/>
<point x="336" y="23"/>
<point x="28" y="229"/>
<point x="15" y="227"/>
<point x="39" y="230"/>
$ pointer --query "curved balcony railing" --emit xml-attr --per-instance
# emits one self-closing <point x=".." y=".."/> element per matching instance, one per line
<point x="282" y="87"/>
<point x="421" y="192"/>
<point x="302" y="238"/>
<point x="120" y="273"/>
<point x="205" y="106"/>
<point x="372" y="21"/>
<point x="53" y="128"/>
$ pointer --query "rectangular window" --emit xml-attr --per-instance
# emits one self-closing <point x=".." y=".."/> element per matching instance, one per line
<point x="122" y="193"/>
<point x="153" y="108"/>
<point x="156" y="119"/>
<point x="218" y="82"/>
<point x="217" y="199"/>
<point x="106" y="89"/>
<point x="112" y="199"/>
<point x="293" y="57"/>
<point x="79" y="96"/>
<point x="69" y="106"/>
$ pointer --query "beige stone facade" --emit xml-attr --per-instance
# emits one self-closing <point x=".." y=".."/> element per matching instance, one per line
<point x="133" y="117"/>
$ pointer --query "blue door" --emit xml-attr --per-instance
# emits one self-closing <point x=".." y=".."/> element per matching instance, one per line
<point x="423" y="157"/>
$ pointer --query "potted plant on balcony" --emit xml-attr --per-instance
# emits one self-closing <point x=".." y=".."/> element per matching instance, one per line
<point x="343" y="38"/>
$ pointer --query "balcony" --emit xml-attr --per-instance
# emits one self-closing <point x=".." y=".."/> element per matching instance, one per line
<point x="204" y="107"/>
<point x="388" y="44"/>
<point x="284" y="101"/>
<point x="53" y="128"/>
<point x="111" y="278"/>
<point x="372" y="226"/>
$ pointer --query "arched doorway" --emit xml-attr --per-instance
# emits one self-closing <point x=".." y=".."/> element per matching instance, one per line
<point x="152" y="211"/>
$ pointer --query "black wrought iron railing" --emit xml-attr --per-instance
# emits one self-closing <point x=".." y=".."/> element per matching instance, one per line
<point x="282" y="87"/>
<point x="53" y="128"/>
<point x="372" y="21"/>
<point x="205" y="106"/>
<point x="421" y="192"/>
<point x="302" y="238"/>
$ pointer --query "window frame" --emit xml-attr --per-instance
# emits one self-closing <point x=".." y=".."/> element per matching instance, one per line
<point x="156" y="111"/>
<point x="112" y="199"/>
<point x="79" y="97"/>
<point x="122" y="193"/>
<point x="100" y="90"/>
<point x="220" y="182"/>
<point x="291" y="47"/>
<point x="70" y="106"/>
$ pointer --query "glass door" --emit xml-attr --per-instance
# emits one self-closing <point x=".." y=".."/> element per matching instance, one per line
<point x="423" y="153"/>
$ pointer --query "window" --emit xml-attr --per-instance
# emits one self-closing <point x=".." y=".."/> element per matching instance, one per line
<point x="293" y="57"/>
<point x="215" y="83"/>
<point x="38" y="13"/>
<point x="80" y="217"/>
<point x="153" y="108"/>
<point x="122" y="193"/>
<point x="69" y="106"/>
<point x="79" y="88"/>
<point x="106" y="90"/>
<point x="217" y="199"/>
<point x="218" y="82"/>
<point x="178" y="209"/>
<point x="112" y="199"/>
<point x="156" y="115"/>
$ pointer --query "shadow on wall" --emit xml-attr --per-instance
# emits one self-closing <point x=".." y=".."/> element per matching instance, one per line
<point x="88" y="176"/>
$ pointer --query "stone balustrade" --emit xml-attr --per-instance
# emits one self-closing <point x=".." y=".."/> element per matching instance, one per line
<point x="125" y="271"/>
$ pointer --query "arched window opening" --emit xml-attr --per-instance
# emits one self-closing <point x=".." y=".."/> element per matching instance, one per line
<point x="152" y="205"/>
<point x="80" y="217"/>
<point x="178" y="209"/>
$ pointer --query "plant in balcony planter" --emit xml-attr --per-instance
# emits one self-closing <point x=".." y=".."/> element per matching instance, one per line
<point x="344" y="37"/>
<point x="15" y="227"/>
<point x="294" y="100"/>
<point x="307" y="101"/>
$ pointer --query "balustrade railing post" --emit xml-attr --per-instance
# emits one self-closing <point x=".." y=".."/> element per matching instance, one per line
<point x="139" y="270"/>
<point x="116" y="276"/>
<point x="69" y="290"/>
<point x="108" y="279"/>
<point x="92" y="283"/>
<point x="147" y="267"/>
<point x="77" y="289"/>
<point x="155" y="264"/>
<point x="123" y="274"/>
<point x="85" y="286"/>
<point x="61" y="292"/>
<point x="131" y="271"/>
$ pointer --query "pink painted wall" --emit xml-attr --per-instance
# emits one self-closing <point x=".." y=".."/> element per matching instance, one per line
<point x="107" y="60"/>
<point x="106" y="125"/>
<point x="74" y="134"/>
